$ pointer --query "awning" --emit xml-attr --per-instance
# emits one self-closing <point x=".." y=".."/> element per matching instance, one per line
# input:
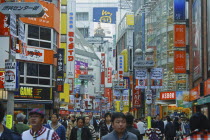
<point x="165" y="102"/>
<point x="33" y="101"/>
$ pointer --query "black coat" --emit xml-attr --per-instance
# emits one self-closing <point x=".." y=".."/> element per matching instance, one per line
<point x="9" y="135"/>
<point x="86" y="134"/>
<point x="160" y="125"/>
<point x="170" y="131"/>
<point x="104" y="130"/>
<point x="134" y="131"/>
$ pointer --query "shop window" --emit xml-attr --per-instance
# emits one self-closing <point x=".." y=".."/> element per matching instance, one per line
<point x="44" y="81"/>
<point x="82" y="16"/>
<point x="45" y="44"/>
<point x="45" y="33"/>
<point x="33" y="43"/>
<point x="63" y="9"/>
<point x="32" y="81"/>
<point x="44" y="70"/>
<point x="21" y="79"/>
<point x="32" y="69"/>
<point x="21" y="68"/>
<point x="33" y="32"/>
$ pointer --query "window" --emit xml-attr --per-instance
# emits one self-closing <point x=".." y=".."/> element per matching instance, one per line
<point x="42" y="37"/>
<point x="63" y="9"/>
<point x="39" y="74"/>
<point x="82" y="16"/>
<point x="63" y="38"/>
<point x="84" y="32"/>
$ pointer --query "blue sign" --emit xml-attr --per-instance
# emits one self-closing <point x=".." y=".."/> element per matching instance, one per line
<point x="105" y="14"/>
<point x="179" y="10"/>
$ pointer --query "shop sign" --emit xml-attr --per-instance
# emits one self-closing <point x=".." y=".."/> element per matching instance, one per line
<point x="195" y="93"/>
<point x="64" y="112"/>
<point x="36" y="93"/>
<point x="204" y="100"/>
<point x="179" y="10"/>
<point x="103" y="72"/>
<point x="2" y="76"/>
<point x="120" y="67"/>
<point x="156" y="78"/>
<point x="136" y="98"/>
<point x="86" y="77"/>
<point x="4" y="26"/>
<point x="60" y="70"/>
<point x="141" y="73"/>
<point x="109" y="79"/>
<point x="188" y="105"/>
<point x="144" y="63"/>
<point x="179" y="35"/>
<point x="179" y="61"/>
<point x="170" y="95"/>
<point x="207" y="87"/>
<point x="9" y="121"/>
<point x="11" y="75"/>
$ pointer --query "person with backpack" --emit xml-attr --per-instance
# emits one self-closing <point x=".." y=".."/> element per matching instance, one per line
<point x="20" y="127"/>
<point x="170" y="131"/>
<point x="154" y="133"/>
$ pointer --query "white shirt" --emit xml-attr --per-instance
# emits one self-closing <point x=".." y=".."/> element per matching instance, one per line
<point x="141" y="127"/>
<point x="165" y="122"/>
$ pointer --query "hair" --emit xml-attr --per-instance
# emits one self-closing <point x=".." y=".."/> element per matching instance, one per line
<point x="73" y="116"/>
<point x="129" y="118"/>
<point x="81" y="118"/>
<point x="117" y="115"/>
<point x="2" y="111"/>
<point x="56" y="115"/>
<point x="199" y="121"/>
<point x="168" y="119"/>
<point x="87" y="116"/>
<point x="107" y="114"/>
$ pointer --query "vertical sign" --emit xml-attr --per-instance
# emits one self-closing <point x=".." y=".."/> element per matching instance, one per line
<point x="102" y="72"/>
<point x="195" y="93"/>
<point x="136" y="98"/>
<point x="109" y="75"/>
<point x="141" y="76"/>
<point x="120" y="67"/>
<point x="179" y="35"/>
<point x="21" y="31"/>
<point x="207" y="87"/>
<point x="179" y="10"/>
<point x="60" y="70"/>
<point x="156" y="78"/>
<point x="13" y="33"/>
<point x="2" y="76"/>
<point x="179" y="61"/>
<point x="11" y="75"/>
<point x="70" y="64"/>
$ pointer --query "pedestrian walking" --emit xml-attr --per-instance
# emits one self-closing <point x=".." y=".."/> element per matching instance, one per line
<point x="141" y="127"/>
<point x="177" y="125"/>
<point x="80" y="132"/>
<point x="130" y="127"/>
<point x="93" y="121"/>
<point x="70" y="126"/>
<point x="185" y="127"/>
<point x="154" y="133"/>
<point x="119" y="125"/>
<point x="20" y="127"/>
<point x="159" y="124"/>
<point x="57" y="126"/>
<point x="170" y="132"/>
<point x="5" y="133"/>
<point x="38" y="131"/>
<point x="91" y="127"/>
<point x="106" y="127"/>
<point x="65" y="122"/>
<point x="200" y="127"/>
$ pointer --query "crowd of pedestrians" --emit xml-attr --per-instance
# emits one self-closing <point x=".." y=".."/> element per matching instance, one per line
<point x="113" y="126"/>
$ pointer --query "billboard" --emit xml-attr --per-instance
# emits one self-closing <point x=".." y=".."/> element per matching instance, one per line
<point x="179" y="10"/>
<point x="179" y="35"/>
<point x="195" y="93"/>
<point x="182" y="97"/>
<point x="169" y="95"/>
<point x="179" y="61"/>
<point x="105" y="14"/>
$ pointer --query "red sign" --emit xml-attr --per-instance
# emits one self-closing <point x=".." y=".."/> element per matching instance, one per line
<point x="169" y="95"/>
<point x="136" y="98"/>
<point x="195" y="93"/>
<point x="180" y="35"/>
<point x="207" y="87"/>
<point x="64" y="112"/>
<point x="2" y="79"/>
<point x="179" y="61"/>
<point x="108" y="94"/>
<point x="4" y="27"/>
<point x="109" y="75"/>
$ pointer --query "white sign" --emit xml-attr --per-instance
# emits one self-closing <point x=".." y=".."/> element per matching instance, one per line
<point x="86" y="77"/>
<point x="70" y="63"/>
<point x="157" y="73"/>
<point x="21" y="32"/>
<point x="141" y="73"/>
<point x="120" y="67"/>
<point x="11" y="77"/>
<point x="12" y="26"/>
<point x="119" y="87"/>
<point x="144" y="63"/>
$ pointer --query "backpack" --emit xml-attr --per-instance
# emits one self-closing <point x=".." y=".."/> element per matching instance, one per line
<point x="153" y="135"/>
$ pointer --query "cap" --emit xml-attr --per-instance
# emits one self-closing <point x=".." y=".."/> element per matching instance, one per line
<point x="20" y="117"/>
<point x="37" y="111"/>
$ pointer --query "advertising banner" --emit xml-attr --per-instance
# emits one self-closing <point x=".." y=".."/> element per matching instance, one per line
<point x="108" y="94"/>
<point x="103" y="72"/>
<point x="179" y="35"/>
<point x="179" y="61"/>
<point x="60" y="70"/>
<point x="207" y="87"/>
<point x="13" y="26"/>
<point x="70" y="63"/>
<point x="179" y="10"/>
<point x="11" y="75"/>
<point x="105" y="14"/>
<point x="141" y="73"/>
<point x="182" y="97"/>
<point x="2" y="76"/>
<point x="169" y="95"/>
<point x="36" y="93"/>
<point x="136" y="98"/>
<point x="196" y="39"/>
<point x="141" y="83"/>
<point x="120" y="67"/>
<point x="195" y="93"/>
<point x="4" y="26"/>
<point x="21" y="32"/>
<point x="156" y="78"/>
<point x="109" y="75"/>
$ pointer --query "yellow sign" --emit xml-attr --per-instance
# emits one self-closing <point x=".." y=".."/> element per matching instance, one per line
<point x="130" y="19"/>
<point x="149" y="121"/>
<point x="117" y="106"/>
<point x="65" y="95"/>
<point x="9" y="121"/>
<point x="125" y="54"/>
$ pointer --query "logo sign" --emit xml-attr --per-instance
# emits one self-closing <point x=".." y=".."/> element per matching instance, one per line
<point x="120" y="66"/>
<point x="86" y="77"/>
<point x="170" y="95"/>
<point x="179" y="61"/>
<point x="180" y="35"/>
<point x="105" y="14"/>
<point x="179" y="10"/>
<point x="60" y="70"/>
<point x="144" y="63"/>
<point x="71" y="39"/>
<point x="11" y="75"/>
<point x="23" y="9"/>
<point x="95" y="40"/>
<point x="141" y="74"/>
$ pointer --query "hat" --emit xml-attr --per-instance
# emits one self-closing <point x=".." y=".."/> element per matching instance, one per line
<point x="20" y="117"/>
<point x="37" y="111"/>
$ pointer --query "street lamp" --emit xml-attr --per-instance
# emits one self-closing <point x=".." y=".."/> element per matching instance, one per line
<point x="145" y="60"/>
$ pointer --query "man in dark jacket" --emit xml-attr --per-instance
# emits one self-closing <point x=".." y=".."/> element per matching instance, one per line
<point x="170" y="131"/>
<point x="106" y="127"/>
<point x="159" y="124"/>
<point x="6" y="134"/>
<point x="130" y="128"/>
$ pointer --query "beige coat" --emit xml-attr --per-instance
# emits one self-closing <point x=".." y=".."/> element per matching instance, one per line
<point x="69" y="128"/>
